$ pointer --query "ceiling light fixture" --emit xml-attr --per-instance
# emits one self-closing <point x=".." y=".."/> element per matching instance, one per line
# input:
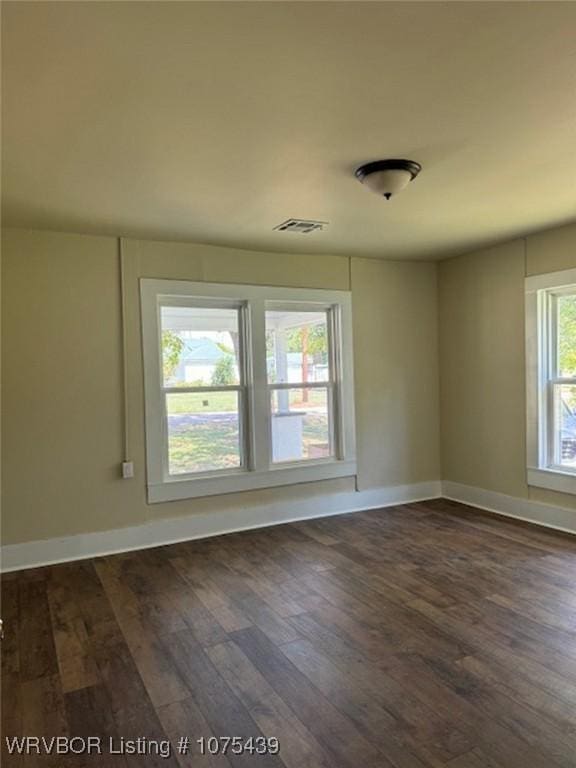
<point x="388" y="177"/>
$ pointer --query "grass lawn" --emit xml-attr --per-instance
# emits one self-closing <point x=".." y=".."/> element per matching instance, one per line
<point x="204" y="447"/>
<point x="202" y="402"/>
<point x="200" y="445"/>
<point x="214" y="402"/>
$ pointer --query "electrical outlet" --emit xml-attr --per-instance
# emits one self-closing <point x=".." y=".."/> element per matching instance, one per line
<point x="127" y="469"/>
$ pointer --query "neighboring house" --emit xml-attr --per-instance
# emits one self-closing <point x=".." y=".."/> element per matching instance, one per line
<point x="316" y="372"/>
<point x="198" y="360"/>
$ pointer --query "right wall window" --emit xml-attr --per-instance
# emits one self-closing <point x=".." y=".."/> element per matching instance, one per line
<point x="551" y="380"/>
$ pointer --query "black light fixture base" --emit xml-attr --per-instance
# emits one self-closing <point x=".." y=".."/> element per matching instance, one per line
<point x="411" y="166"/>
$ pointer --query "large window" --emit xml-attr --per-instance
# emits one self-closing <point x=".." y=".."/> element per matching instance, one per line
<point x="551" y="360"/>
<point x="246" y="387"/>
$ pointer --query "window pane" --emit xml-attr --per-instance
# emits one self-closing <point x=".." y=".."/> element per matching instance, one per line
<point x="300" y="424"/>
<point x="565" y="410"/>
<point x="296" y="346"/>
<point x="199" y="346"/>
<point x="566" y="335"/>
<point x="203" y="431"/>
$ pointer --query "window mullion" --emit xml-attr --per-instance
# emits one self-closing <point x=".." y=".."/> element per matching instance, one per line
<point x="302" y="385"/>
<point x="199" y="390"/>
<point x="259" y="400"/>
<point x="568" y="380"/>
<point x="335" y="350"/>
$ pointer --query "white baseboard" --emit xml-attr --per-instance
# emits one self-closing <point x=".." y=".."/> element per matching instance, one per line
<point x="32" y="554"/>
<point x="547" y="515"/>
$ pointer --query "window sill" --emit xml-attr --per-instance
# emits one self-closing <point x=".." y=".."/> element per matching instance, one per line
<point x="175" y="490"/>
<point x="553" y="479"/>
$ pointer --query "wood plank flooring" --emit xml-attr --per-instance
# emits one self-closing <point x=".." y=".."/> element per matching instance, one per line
<point x="420" y="636"/>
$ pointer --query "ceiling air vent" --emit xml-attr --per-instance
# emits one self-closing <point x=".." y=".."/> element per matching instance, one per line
<point x="301" y="225"/>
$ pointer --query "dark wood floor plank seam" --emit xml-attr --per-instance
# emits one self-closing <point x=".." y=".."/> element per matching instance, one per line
<point x="219" y="705"/>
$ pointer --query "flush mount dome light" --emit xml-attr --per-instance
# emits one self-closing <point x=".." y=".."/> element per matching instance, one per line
<point x="388" y="177"/>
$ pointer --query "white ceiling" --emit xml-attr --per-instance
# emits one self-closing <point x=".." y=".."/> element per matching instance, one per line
<point x="214" y="122"/>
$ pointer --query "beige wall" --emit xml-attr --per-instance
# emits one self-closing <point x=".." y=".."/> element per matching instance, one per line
<point x="482" y="364"/>
<point x="61" y="371"/>
<point x="396" y="362"/>
<point x="62" y="401"/>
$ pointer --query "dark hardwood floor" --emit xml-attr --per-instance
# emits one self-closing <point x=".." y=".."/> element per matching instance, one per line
<point x="423" y="635"/>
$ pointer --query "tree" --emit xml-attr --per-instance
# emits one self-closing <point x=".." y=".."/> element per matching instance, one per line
<point x="567" y="335"/>
<point x="315" y="338"/>
<point x="567" y="344"/>
<point x="308" y="340"/>
<point x="172" y="346"/>
<point x="223" y="374"/>
<point x="225" y="348"/>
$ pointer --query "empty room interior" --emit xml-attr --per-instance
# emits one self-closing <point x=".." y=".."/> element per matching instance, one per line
<point x="288" y="323"/>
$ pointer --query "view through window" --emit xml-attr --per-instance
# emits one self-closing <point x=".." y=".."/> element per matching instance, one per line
<point x="298" y="366"/>
<point x="245" y="387"/>
<point x="564" y="381"/>
<point x="202" y="388"/>
<point x="551" y="380"/>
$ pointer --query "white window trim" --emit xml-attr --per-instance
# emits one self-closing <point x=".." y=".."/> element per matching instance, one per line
<point x="260" y="472"/>
<point x="541" y="472"/>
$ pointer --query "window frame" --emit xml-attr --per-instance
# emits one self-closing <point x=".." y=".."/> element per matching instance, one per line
<point x="259" y="471"/>
<point x="241" y="388"/>
<point x="330" y="384"/>
<point x="542" y="380"/>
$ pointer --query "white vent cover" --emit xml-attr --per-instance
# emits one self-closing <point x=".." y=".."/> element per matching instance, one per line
<point x="301" y="225"/>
